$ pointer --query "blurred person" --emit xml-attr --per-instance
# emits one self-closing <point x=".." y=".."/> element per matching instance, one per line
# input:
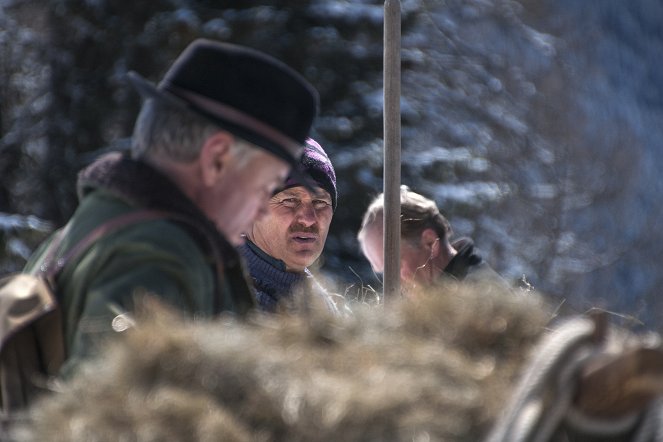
<point x="212" y="142"/>
<point x="289" y="238"/>
<point x="427" y="253"/>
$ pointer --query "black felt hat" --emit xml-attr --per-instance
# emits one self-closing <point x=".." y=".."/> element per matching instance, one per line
<point x="244" y="91"/>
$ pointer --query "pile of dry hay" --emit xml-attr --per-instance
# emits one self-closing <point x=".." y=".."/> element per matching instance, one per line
<point x="438" y="368"/>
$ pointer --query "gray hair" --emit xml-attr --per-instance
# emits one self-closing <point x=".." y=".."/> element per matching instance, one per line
<point x="417" y="214"/>
<point x="167" y="130"/>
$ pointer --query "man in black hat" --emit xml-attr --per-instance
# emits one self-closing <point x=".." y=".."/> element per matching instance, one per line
<point x="212" y="142"/>
<point x="283" y="244"/>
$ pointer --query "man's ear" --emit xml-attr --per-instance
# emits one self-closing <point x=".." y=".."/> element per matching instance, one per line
<point x="214" y="156"/>
<point x="431" y="241"/>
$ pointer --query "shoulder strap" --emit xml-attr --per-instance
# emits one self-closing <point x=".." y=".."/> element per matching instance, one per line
<point x="51" y="268"/>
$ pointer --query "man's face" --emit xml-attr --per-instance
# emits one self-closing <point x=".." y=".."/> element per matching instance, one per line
<point x="295" y="227"/>
<point x="241" y="195"/>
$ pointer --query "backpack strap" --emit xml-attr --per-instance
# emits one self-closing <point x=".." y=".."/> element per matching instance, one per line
<point x="51" y="267"/>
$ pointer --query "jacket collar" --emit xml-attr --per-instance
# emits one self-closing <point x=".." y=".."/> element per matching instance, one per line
<point x="465" y="258"/>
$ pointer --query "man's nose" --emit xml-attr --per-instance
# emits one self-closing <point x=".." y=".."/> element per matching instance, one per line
<point x="306" y="214"/>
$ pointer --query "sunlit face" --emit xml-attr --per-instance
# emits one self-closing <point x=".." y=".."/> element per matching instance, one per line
<point x="241" y="195"/>
<point x="414" y="258"/>
<point x="295" y="227"/>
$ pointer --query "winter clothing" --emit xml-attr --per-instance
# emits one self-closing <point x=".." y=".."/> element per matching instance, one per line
<point x="185" y="262"/>
<point x="273" y="284"/>
<point x="468" y="265"/>
<point x="316" y="164"/>
<point x="252" y="95"/>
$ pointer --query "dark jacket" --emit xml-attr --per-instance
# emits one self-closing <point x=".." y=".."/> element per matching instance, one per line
<point x="468" y="265"/>
<point x="274" y="285"/>
<point x="186" y="264"/>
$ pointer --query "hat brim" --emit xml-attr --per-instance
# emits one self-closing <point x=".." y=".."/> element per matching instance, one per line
<point x="148" y="90"/>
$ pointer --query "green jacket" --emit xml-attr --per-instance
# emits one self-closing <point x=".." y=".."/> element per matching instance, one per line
<point x="170" y="259"/>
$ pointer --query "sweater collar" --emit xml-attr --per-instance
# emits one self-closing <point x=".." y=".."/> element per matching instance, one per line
<point x="274" y="262"/>
<point x="268" y="273"/>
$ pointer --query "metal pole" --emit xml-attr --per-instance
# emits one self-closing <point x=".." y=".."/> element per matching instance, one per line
<point x="392" y="148"/>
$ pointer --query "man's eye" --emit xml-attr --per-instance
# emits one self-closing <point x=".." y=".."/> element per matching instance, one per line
<point x="290" y="202"/>
<point x="320" y="204"/>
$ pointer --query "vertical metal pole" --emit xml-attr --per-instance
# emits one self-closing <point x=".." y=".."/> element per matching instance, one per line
<point x="392" y="148"/>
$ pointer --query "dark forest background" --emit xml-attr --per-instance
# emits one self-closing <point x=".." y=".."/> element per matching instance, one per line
<point x="535" y="125"/>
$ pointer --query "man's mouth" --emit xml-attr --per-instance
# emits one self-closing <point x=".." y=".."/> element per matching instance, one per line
<point x="304" y="238"/>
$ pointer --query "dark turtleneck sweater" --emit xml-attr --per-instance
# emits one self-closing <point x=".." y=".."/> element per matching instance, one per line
<point x="273" y="283"/>
<point x="270" y="279"/>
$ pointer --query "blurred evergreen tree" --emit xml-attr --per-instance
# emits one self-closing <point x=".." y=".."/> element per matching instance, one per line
<point x="515" y="117"/>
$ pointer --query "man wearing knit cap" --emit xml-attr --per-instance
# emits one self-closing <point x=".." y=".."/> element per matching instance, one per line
<point x="287" y="240"/>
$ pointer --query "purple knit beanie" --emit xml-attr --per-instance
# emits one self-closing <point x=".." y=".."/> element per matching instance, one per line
<point x="316" y="164"/>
